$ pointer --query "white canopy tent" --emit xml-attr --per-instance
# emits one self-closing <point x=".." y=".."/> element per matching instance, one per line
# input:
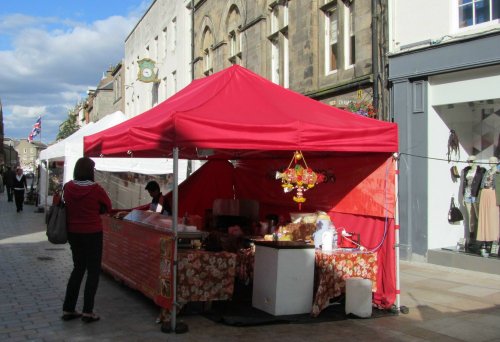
<point x="70" y="150"/>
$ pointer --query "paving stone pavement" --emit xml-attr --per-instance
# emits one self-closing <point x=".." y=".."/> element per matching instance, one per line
<point x="445" y="304"/>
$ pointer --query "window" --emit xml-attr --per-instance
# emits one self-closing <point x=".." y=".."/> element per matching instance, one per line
<point x="232" y="43"/>
<point x="165" y="42"/>
<point x="332" y="32"/>
<point x="165" y="88"/>
<point x="474" y="12"/>
<point x="340" y="36"/>
<point x="275" y="61"/>
<point x="275" y="19"/>
<point x="286" y="72"/>
<point x="350" y="38"/>
<point x="207" y="52"/>
<point x="174" y="34"/>
<point x="285" y="14"/>
<point x="115" y="89"/>
<point x="233" y="26"/>
<point x="207" y="58"/>
<point x="155" y="49"/>
<point x="174" y="81"/>
<point x="119" y="87"/>
<point x="278" y="39"/>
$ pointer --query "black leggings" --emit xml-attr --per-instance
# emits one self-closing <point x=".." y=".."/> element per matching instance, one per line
<point x="19" y="197"/>
<point x="87" y="254"/>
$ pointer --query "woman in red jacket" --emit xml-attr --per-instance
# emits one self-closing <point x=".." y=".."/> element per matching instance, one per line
<point x="85" y="201"/>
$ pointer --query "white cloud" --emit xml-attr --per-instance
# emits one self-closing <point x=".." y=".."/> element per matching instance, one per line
<point x="49" y="71"/>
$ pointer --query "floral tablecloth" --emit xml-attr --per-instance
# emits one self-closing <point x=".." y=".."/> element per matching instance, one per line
<point x="244" y="265"/>
<point x="205" y="276"/>
<point x="332" y="269"/>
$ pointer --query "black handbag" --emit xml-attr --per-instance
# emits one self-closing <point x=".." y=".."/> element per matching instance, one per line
<point x="56" y="223"/>
<point x="454" y="214"/>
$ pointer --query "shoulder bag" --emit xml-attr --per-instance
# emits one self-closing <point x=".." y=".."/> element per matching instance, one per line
<point x="56" y="223"/>
<point x="454" y="214"/>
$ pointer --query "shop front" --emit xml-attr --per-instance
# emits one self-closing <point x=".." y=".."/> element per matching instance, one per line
<point x="442" y="97"/>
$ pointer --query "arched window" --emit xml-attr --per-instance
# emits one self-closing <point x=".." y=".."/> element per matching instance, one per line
<point x="207" y="44"/>
<point x="233" y="25"/>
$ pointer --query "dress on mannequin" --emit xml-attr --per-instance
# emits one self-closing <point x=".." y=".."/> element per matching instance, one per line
<point x="471" y="183"/>
<point x="488" y="227"/>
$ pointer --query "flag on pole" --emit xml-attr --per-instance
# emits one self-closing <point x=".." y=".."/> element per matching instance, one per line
<point x="37" y="128"/>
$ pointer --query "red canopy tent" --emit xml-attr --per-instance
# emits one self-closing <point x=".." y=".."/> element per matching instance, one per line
<point x="236" y="114"/>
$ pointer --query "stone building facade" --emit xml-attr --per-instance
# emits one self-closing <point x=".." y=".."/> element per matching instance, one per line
<point x="162" y="37"/>
<point x="28" y="153"/>
<point x="101" y="101"/>
<point x="320" y="48"/>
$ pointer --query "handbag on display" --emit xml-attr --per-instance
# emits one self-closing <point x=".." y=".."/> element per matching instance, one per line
<point x="454" y="214"/>
<point x="454" y="172"/>
<point x="56" y="223"/>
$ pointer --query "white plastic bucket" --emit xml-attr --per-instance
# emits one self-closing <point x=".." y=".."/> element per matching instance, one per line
<point x="358" y="297"/>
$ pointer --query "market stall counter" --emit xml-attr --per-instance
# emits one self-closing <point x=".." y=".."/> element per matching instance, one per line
<point x="139" y="252"/>
<point x="283" y="277"/>
<point x="331" y="269"/>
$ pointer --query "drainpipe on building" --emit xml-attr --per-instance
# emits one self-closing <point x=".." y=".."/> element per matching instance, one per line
<point x="192" y="40"/>
<point x="375" y="55"/>
<point x="190" y="162"/>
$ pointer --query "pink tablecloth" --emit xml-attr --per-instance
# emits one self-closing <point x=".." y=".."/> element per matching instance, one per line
<point x="332" y="269"/>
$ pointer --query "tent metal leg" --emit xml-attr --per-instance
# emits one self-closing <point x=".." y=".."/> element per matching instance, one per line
<point x="396" y="230"/>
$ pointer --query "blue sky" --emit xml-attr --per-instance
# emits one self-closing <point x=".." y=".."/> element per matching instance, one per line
<point x="52" y="52"/>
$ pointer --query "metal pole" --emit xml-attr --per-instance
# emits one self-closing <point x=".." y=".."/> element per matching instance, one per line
<point x="375" y="61"/>
<point x="175" y="210"/>
<point x="46" y="190"/>
<point x="396" y="230"/>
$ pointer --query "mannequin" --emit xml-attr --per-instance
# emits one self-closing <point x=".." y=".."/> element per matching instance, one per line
<point x="471" y="182"/>
<point x="488" y="227"/>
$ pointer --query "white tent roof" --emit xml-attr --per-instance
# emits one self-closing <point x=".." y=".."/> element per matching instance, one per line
<point x="75" y="141"/>
<point x="71" y="149"/>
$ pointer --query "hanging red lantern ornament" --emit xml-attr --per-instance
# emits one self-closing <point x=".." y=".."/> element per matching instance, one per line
<point x="299" y="178"/>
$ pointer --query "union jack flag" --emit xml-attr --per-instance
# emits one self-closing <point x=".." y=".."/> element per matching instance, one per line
<point x="37" y="128"/>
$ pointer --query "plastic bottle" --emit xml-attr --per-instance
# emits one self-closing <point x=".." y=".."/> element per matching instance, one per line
<point x="335" y="237"/>
<point x="483" y="249"/>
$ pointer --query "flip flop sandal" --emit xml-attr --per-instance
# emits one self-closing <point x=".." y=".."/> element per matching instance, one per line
<point x="70" y="316"/>
<point x="90" y="319"/>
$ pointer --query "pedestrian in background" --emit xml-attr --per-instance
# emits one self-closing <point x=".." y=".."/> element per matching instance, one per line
<point x="19" y="185"/>
<point x="8" y="180"/>
<point x="2" y="187"/>
<point x="85" y="201"/>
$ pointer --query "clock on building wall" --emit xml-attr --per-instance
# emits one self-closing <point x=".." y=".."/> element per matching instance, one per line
<point x="147" y="71"/>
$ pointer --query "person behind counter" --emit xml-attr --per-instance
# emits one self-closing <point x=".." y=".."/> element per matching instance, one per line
<point x="85" y="200"/>
<point x="159" y="203"/>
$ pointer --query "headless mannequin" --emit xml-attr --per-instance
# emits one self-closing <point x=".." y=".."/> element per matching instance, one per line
<point x="488" y="228"/>
<point x="469" y="201"/>
<point x="472" y="176"/>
